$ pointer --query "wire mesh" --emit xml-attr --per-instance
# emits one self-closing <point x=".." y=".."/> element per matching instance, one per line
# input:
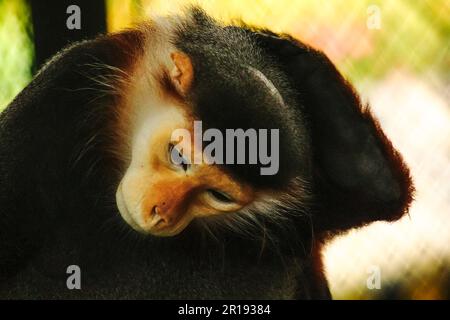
<point x="397" y="55"/>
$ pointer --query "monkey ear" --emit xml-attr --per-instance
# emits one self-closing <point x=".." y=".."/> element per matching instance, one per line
<point x="182" y="73"/>
<point x="358" y="176"/>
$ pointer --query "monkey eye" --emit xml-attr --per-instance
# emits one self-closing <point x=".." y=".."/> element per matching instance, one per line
<point x="176" y="158"/>
<point x="220" y="196"/>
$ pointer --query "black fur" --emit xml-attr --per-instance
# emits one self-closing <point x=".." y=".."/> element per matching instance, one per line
<point x="57" y="179"/>
<point x="226" y="95"/>
<point x="358" y="176"/>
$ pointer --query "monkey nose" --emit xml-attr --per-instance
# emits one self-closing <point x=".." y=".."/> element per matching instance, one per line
<point x="159" y="217"/>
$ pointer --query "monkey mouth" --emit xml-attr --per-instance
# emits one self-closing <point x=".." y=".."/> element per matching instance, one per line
<point x="125" y="213"/>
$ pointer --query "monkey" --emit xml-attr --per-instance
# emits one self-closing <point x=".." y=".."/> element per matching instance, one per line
<point x="93" y="176"/>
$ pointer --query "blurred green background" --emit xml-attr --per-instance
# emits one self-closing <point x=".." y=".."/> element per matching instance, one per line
<point x="397" y="55"/>
<point x="16" y="49"/>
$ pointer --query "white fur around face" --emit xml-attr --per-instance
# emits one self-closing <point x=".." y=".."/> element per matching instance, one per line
<point x="150" y="140"/>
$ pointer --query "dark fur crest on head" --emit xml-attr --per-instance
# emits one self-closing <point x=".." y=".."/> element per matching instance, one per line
<point x="227" y="93"/>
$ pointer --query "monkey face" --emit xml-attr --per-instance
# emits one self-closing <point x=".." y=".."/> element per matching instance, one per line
<point x="160" y="195"/>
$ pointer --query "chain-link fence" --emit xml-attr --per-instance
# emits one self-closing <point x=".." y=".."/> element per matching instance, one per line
<point x="397" y="55"/>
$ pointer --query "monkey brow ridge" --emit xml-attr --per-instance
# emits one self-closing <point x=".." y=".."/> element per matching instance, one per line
<point x="269" y="84"/>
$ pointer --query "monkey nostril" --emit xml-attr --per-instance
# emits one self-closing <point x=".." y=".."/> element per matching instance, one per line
<point x="167" y="220"/>
<point x="156" y="215"/>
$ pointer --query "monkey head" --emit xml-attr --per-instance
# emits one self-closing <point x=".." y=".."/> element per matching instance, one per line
<point x="220" y="77"/>
<point x="334" y="163"/>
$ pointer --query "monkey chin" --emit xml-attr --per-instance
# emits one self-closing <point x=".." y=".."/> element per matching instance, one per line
<point x="168" y="231"/>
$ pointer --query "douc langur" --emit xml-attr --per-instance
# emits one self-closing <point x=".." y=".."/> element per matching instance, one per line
<point x="91" y="173"/>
